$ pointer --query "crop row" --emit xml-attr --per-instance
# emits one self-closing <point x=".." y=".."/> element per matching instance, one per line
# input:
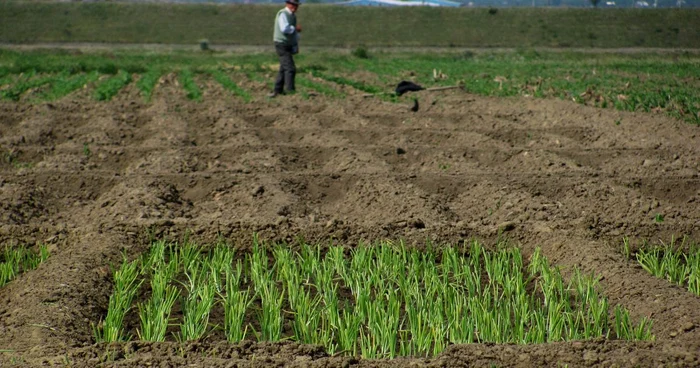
<point x="384" y="300"/>
<point x="677" y="263"/>
<point x="640" y="82"/>
<point x="56" y="86"/>
<point x="15" y="260"/>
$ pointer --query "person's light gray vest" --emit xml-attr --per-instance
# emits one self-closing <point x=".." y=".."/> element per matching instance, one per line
<point x="283" y="38"/>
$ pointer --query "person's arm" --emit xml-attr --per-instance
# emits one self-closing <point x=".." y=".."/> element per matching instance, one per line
<point x="284" y="25"/>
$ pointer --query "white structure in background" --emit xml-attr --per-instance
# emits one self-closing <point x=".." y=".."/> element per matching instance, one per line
<point x="399" y="3"/>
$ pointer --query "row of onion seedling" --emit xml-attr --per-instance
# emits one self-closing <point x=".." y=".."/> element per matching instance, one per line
<point x="382" y="300"/>
<point x="679" y="264"/>
<point x="15" y="260"/>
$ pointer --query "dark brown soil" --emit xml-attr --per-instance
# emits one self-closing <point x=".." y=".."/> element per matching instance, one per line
<point x="93" y="179"/>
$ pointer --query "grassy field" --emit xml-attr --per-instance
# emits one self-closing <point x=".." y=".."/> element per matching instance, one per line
<point x="637" y="82"/>
<point x="334" y="26"/>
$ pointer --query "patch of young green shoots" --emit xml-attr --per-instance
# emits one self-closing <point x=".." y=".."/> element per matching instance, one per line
<point x="236" y="303"/>
<point x="66" y="83"/>
<point x="319" y="87"/>
<point x="147" y="83"/>
<point x="192" y="91"/>
<point x="358" y="85"/>
<point x="24" y="83"/>
<point x="126" y="285"/>
<point x="198" y="303"/>
<point x="677" y="263"/>
<point x="15" y="260"/>
<point x="155" y="312"/>
<point x="378" y="301"/>
<point x="108" y="88"/>
<point x="230" y="85"/>
<point x="6" y="78"/>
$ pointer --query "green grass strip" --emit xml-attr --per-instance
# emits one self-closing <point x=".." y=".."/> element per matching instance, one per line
<point x="148" y="82"/>
<point x="653" y="83"/>
<point x="318" y="87"/>
<point x="6" y="79"/>
<point x="25" y="83"/>
<point x="677" y="263"/>
<point x="112" y="85"/>
<point x="14" y="261"/>
<point x="192" y="91"/>
<point x="65" y="84"/>
<point x="348" y="82"/>
<point x="230" y="85"/>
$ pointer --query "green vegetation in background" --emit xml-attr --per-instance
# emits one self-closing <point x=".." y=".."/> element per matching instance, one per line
<point x="59" y="61"/>
<point x="677" y="263"/>
<point x="192" y="91"/>
<point x="14" y="261"/>
<point x="657" y="83"/>
<point x="325" y="90"/>
<point x="66" y="83"/>
<point x="364" y="87"/>
<point x="25" y="82"/>
<point x="230" y="85"/>
<point x="377" y="301"/>
<point x="327" y="25"/>
<point x="650" y="83"/>
<point x="148" y="82"/>
<point x="112" y="85"/>
<point x="6" y="76"/>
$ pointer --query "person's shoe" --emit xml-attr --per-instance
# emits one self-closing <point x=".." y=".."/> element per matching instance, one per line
<point x="273" y="94"/>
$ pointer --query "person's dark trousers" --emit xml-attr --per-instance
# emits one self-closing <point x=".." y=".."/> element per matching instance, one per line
<point x="285" y="77"/>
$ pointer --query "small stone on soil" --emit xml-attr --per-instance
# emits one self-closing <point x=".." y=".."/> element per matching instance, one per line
<point x="688" y="326"/>
<point x="418" y="224"/>
<point x="590" y="356"/>
<point x="506" y="226"/>
<point x="258" y="190"/>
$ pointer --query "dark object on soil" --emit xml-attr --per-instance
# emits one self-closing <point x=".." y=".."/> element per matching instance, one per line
<point x="406" y="86"/>
<point x="400" y="151"/>
<point x="415" y="106"/>
<point x="204" y="45"/>
<point x="418" y="224"/>
<point x="258" y="190"/>
<point x="361" y="53"/>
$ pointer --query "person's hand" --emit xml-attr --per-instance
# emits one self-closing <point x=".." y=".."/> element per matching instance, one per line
<point x="298" y="28"/>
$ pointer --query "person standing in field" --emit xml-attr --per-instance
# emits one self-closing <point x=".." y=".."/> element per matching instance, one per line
<point x="286" y="38"/>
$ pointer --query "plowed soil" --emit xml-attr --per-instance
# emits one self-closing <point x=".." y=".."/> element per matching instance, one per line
<point x="93" y="179"/>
